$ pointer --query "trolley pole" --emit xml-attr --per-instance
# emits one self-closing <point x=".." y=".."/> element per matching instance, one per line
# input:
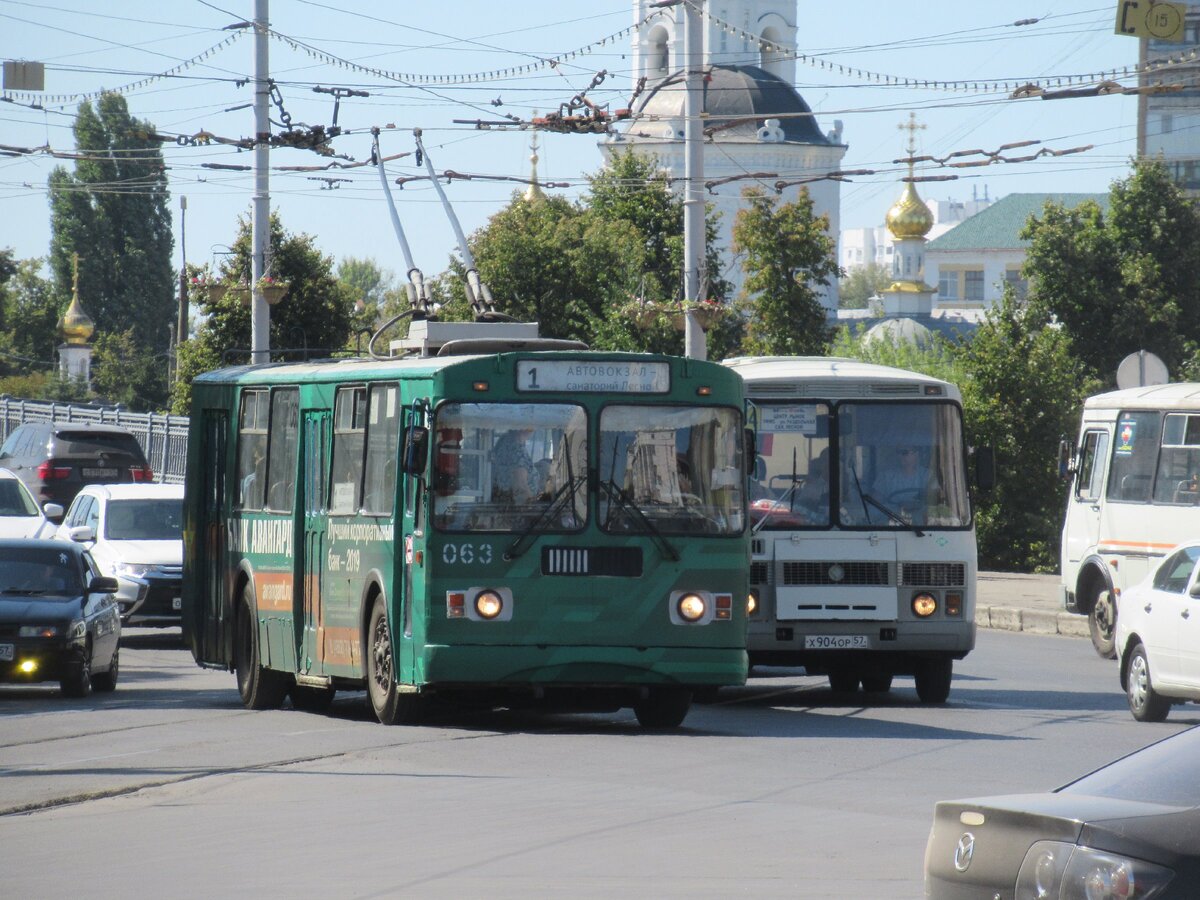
<point x="694" y="345"/>
<point x="260" y="321"/>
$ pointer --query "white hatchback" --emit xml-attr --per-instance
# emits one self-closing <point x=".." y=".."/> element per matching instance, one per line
<point x="135" y="534"/>
<point x="19" y="513"/>
<point x="1158" y="636"/>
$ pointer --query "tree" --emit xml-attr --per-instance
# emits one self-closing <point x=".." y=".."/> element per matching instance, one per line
<point x="939" y="359"/>
<point x="315" y="317"/>
<point x="789" y="252"/>
<point x="113" y="211"/>
<point x="29" y="315"/>
<point x="861" y="284"/>
<point x="1022" y="390"/>
<point x="124" y="373"/>
<point x="1123" y="280"/>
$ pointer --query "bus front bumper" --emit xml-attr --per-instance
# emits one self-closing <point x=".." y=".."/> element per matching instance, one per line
<point x="476" y="664"/>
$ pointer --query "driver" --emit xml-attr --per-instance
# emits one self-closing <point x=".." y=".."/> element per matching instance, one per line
<point x="906" y="483"/>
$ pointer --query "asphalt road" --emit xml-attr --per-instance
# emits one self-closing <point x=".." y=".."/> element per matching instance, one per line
<point x="168" y="787"/>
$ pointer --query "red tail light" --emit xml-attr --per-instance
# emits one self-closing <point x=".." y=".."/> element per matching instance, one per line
<point x="49" y="471"/>
<point x="142" y="473"/>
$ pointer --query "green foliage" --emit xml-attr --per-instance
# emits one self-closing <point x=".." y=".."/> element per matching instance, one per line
<point x="315" y="317"/>
<point x="788" y="251"/>
<point x="1123" y="281"/>
<point x="113" y="211"/>
<point x="124" y="373"/>
<point x="29" y="315"/>
<point x="939" y="360"/>
<point x="861" y="284"/>
<point x="1022" y="394"/>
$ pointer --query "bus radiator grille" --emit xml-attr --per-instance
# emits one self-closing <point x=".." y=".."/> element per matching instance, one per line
<point x="807" y="574"/>
<point x="622" y="561"/>
<point x="933" y="574"/>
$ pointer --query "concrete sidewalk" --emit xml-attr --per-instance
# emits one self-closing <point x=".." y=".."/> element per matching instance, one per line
<point x="1013" y="602"/>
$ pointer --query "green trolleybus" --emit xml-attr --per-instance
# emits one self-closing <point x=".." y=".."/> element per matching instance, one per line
<point x="564" y="528"/>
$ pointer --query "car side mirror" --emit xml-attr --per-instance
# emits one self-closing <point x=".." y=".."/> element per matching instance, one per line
<point x="416" y="449"/>
<point x="103" y="584"/>
<point x="53" y="511"/>
<point x="750" y="449"/>
<point x="81" y="534"/>
<point x="985" y="468"/>
<point x="1195" y="591"/>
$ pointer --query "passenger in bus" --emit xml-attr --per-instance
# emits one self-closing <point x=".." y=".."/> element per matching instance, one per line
<point x="512" y="467"/>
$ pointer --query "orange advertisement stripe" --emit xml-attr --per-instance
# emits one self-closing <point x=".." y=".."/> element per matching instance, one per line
<point x="1135" y="545"/>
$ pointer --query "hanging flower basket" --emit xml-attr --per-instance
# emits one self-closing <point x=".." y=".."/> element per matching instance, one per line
<point x="239" y="292"/>
<point x="707" y="313"/>
<point x="273" y="290"/>
<point x="642" y="314"/>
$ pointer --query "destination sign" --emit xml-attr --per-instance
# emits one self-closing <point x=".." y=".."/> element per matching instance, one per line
<point x="592" y="376"/>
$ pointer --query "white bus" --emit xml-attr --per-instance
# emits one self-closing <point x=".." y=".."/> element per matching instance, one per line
<point x="1135" y="493"/>
<point x="863" y="558"/>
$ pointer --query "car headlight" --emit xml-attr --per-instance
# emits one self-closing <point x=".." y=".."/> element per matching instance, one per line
<point x="1053" y="869"/>
<point x="136" y="570"/>
<point x="752" y="603"/>
<point x="42" y="631"/>
<point x="924" y="605"/>
<point x="691" y="607"/>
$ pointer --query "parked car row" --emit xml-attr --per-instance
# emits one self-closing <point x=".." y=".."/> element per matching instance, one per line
<point x="88" y="542"/>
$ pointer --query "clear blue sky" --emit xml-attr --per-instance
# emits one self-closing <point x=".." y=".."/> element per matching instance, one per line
<point x="88" y="46"/>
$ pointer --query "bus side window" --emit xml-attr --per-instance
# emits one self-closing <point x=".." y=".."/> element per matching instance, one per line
<point x="349" y="434"/>
<point x="383" y="437"/>
<point x="1089" y="483"/>
<point x="1178" y="478"/>
<point x="281" y="466"/>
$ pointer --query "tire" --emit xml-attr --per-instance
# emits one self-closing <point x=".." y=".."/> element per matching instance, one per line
<point x="311" y="699"/>
<point x="77" y="682"/>
<point x="259" y="688"/>
<point x="933" y="680"/>
<point x="1102" y="623"/>
<point x="877" y="683"/>
<point x="843" y="681"/>
<point x="663" y="708"/>
<point x="1145" y="703"/>
<point x="391" y="707"/>
<point x="106" y="682"/>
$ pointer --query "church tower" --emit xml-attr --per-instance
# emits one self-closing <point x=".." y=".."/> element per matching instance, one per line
<point x="77" y="327"/>
<point x="909" y="220"/>
<point x="757" y="120"/>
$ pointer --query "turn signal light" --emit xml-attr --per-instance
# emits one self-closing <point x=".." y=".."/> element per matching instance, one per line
<point x="954" y="604"/>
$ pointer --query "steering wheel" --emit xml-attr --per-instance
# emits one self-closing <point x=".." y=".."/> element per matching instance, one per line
<point x="905" y="498"/>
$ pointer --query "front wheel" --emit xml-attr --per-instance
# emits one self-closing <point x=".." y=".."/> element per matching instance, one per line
<point x="391" y="707"/>
<point x="77" y="681"/>
<point x="933" y="680"/>
<point x="106" y="682"/>
<point x="663" y="708"/>
<point x="1102" y="623"/>
<point x="259" y="688"/>
<point x="1146" y="704"/>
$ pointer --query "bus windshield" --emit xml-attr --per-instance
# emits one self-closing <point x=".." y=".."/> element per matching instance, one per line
<point x="503" y="467"/>
<point x="671" y="469"/>
<point x="897" y="465"/>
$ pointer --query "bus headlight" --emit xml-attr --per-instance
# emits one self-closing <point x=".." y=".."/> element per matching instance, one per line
<point x="691" y="607"/>
<point x="752" y="603"/>
<point x="924" y="605"/>
<point x="488" y="604"/>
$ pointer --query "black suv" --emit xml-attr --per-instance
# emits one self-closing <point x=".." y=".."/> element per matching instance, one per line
<point x="56" y="459"/>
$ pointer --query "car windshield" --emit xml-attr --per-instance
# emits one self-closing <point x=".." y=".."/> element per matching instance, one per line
<point x="676" y="469"/>
<point x="15" y="499"/>
<point x="144" y="520"/>
<point x="507" y="467"/>
<point x="1167" y="772"/>
<point x="36" y="571"/>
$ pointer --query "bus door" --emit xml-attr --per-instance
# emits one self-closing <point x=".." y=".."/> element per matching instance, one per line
<point x="214" y="634"/>
<point x="1083" y="517"/>
<point x="308" y="612"/>
<point x="410" y="490"/>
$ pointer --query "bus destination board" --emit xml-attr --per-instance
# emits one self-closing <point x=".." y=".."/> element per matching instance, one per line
<point x="589" y="376"/>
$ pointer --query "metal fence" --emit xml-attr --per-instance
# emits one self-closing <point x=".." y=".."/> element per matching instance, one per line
<point x="163" y="438"/>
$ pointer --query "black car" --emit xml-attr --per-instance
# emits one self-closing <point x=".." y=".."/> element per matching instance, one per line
<point x="1128" y="831"/>
<point x="59" y="619"/>
<point x="56" y="459"/>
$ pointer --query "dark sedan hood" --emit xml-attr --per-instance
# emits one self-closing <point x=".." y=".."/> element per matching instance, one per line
<point x="22" y="610"/>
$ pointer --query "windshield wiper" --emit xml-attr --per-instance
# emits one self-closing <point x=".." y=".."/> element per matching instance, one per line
<point x="891" y="514"/>
<point x="563" y="496"/>
<point x="788" y="495"/>
<point x="619" y="498"/>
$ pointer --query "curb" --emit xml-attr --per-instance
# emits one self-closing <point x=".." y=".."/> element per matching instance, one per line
<point x="1009" y="618"/>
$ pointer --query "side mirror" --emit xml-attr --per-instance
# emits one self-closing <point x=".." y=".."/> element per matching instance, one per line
<point x="416" y="449"/>
<point x="53" y="511"/>
<point x="81" y="534"/>
<point x="103" y="584"/>
<point x="749" y="449"/>
<point x="985" y="468"/>
<point x="1066" y="459"/>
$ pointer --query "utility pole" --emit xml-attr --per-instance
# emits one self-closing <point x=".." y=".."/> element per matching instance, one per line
<point x="694" y="345"/>
<point x="181" y="318"/>
<point x="260" y="321"/>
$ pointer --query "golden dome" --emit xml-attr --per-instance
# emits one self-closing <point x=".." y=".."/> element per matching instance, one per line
<point x="909" y="217"/>
<point x="76" y="325"/>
